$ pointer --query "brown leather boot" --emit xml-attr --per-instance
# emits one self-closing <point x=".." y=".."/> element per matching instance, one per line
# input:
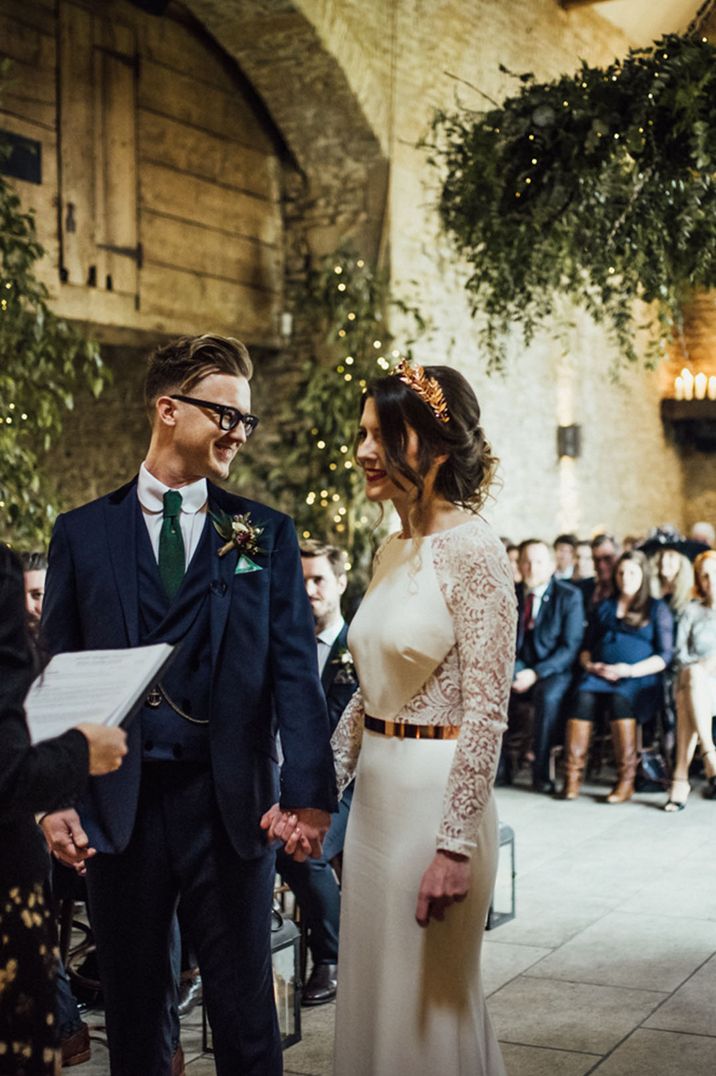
<point x="75" y="1047"/>
<point x="624" y="741"/>
<point x="579" y="733"/>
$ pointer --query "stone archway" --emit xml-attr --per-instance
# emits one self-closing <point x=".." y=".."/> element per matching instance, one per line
<point x="344" y="175"/>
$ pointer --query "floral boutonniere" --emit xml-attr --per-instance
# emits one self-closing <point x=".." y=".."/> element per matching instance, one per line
<point x="347" y="671"/>
<point x="240" y="533"/>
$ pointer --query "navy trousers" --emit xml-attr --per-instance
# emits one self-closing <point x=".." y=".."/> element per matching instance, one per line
<point x="545" y="699"/>
<point x="180" y="853"/>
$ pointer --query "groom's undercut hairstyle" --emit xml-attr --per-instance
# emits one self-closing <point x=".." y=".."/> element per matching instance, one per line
<point x="335" y="556"/>
<point x="180" y="365"/>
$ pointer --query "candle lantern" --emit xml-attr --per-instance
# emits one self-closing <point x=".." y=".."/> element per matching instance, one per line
<point x="286" y="961"/>
<point x="700" y="384"/>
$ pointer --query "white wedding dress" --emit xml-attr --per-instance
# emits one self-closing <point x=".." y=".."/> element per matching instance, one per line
<point x="433" y="643"/>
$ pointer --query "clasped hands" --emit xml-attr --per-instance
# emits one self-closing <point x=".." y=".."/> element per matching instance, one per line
<point x="611" y="673"/>
<point x="302" y="830"/>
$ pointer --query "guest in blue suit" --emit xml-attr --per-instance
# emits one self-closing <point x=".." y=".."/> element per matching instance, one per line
<point x="171" y="557"/>
<point x="550" y="627"/>
<point x="313" y="881"/>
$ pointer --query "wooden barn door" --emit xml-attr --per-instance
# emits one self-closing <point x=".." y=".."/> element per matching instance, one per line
<point x="99" y="67"/>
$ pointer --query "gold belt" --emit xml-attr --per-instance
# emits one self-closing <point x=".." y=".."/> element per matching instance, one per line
<point x="411" y="732"/>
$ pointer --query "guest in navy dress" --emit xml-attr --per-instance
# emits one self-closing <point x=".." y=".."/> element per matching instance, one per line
<point x="628" y="645"/>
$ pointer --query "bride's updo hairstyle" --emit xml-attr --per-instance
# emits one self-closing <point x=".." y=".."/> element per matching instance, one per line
<point x="465" y="477"/>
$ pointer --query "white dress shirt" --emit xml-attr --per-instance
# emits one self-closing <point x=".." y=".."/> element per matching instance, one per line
<point x="194" y="498"/>
<point x="325" y="640"/>
<point x="537" y="596"/>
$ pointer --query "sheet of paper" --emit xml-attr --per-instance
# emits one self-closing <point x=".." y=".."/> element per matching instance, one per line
<point x="101" y="686"/>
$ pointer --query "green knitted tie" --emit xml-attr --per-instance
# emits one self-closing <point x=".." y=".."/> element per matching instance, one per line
<point x="171" y="544"/>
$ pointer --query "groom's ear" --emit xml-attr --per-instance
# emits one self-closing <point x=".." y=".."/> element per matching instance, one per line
<point x="165" y="411"/>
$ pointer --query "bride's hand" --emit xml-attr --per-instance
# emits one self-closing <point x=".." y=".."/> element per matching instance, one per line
<point x="446" y="881"/>
<point x="284" y="826"/>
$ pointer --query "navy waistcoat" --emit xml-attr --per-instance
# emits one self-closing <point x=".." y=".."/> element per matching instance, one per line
<point x="183" y="621"/>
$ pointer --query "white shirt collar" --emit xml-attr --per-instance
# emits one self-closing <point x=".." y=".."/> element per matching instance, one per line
<point x="331" y="633"/>
<point x="539" y="591"/>
<point x="150" y="492"/>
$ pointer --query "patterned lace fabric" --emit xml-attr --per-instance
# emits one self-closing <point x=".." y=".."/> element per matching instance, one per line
<point x="471" y="686"/>
<point x="28" y="1033"/>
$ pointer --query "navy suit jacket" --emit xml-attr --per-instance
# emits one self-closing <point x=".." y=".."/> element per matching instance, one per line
<point x="558" y="631"/>
<point x="263" y="660"/>
<point x="338" y="680"/>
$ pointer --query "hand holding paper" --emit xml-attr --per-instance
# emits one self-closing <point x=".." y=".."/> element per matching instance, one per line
<point x="92" y="686"/>
<point x="107" y="748"/>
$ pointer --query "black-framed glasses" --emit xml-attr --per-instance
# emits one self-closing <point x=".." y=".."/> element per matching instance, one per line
<point x="229" y="417"/>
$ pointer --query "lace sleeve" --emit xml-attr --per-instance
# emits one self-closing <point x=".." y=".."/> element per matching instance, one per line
<point x="481" y="597"/>
<point x="346" y="741"/>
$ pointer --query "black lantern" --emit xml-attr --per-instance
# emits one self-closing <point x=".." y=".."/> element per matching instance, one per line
<point x="569" y="441"/>
<point x="496" y="918"/>
<point x="286" y="960"/>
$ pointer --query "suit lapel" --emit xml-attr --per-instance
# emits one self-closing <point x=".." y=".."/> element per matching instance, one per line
<point x="222" y="577"/>
<point x="545" y="602"/>
<point x="120" y="513"/>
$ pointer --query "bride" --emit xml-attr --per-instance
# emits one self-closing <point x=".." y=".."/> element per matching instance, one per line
<point x="433" y="642"/>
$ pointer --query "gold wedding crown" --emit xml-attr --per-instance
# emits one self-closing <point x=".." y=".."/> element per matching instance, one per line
<point x="427" y="388"/>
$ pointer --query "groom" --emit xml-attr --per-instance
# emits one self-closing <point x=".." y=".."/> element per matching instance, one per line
<point x="155" y="562"/>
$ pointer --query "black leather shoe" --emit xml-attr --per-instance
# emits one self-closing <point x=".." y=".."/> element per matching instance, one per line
<point x="190" y="994"/>
<point x="321" y="986"/>
<point x="545" y="787"/>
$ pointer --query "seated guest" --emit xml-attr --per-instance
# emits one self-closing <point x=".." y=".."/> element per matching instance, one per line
<point x="565" y="553"/>
<point x="583" y="562"/>
<point x="313" y="881"/>
<point x="703" y="532"/>
<point x="629" y="643"/>
<point x="605" y="551"/>
<point x="695" y="660"/>
<point x="672" y="578"/>
<point x="549" y="634"/>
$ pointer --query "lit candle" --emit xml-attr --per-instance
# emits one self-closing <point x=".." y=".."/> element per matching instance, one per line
<point x="679" y="388"/>
<point x="688" y="384"/>
<point x="712" y="388"/>
<point x="700" y="383"/>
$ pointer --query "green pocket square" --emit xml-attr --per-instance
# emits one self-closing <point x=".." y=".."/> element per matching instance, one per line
<point x="244" y="564"/>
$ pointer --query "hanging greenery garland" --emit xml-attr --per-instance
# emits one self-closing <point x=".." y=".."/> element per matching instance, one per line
<point x="597" y="186"/>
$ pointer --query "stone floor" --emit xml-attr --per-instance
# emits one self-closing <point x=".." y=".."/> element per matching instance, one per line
<point x="610" y="964"/>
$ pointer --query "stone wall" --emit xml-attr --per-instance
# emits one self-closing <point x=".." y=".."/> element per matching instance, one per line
<point x="350" y="87"/>
<point x="405" y="59"/>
